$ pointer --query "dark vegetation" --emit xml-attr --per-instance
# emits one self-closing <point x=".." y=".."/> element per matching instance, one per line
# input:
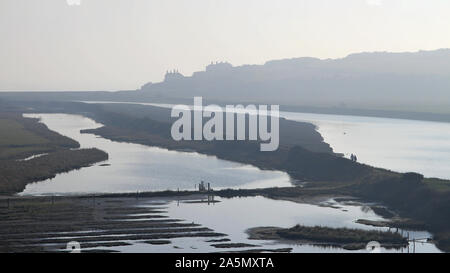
<point x="21" y="138"/>
<point x="95" y="223"/>
<point x="382" y="211"/>
<point x="341" y="237"/>
<point x="304" y="157"/>
<point x="232" y="245"/>
<point x="15" y="175"/>
<point x="395" y="223"/>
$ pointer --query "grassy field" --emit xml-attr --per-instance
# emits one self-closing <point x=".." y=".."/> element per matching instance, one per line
<point x="21" y="138"/>
<point x="14" y="134"/>
<point x="16" y="140"/>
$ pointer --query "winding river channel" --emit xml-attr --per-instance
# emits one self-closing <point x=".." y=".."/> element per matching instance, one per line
<point x="134" y="167"/>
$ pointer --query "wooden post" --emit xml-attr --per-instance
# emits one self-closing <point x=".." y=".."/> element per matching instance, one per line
<point x="7" y="202"/>
<point x="408" y="242"/>
<point x="53" y="200"/>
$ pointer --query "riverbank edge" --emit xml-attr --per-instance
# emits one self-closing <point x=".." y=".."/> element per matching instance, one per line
<point x="346" y="238"/>
<point x="342" y="176"/>
<point x="292" y="194"/>
<point x="20" y="165"/>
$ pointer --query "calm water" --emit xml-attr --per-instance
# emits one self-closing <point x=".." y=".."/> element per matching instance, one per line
<point x="136" y="167"/>
<point x="234" y="216"/>
<point x="141" y="168"/>
<point x="396" y="144"/>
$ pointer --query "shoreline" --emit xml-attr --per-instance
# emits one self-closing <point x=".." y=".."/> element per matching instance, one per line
<point x="114" y="212"/>
<point x="348" y="239"/>
<point x="341" y="178"/>
<point x="30" y="152"/>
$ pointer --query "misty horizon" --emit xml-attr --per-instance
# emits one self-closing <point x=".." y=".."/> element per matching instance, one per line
<point x="117" y="45"/>
<point x="178" y="71"/>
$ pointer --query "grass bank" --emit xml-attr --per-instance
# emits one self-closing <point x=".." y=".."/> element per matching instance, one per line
<point x="350" y="239"/>
<point x="22" y="138"/>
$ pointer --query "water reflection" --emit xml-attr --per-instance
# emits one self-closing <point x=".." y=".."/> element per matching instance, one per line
<point x="235" y="215"/>
<point x="396" y="144"/>
<point x="134" y="167"/>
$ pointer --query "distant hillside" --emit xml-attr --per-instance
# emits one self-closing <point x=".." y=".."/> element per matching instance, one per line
<point x="358" y="80"/>
<point x="397" y="85"/>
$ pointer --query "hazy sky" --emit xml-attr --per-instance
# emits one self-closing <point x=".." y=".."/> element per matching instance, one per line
<point x="122" y="44"/>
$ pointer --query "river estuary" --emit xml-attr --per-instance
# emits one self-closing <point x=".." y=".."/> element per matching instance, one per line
<point x="133" y="167"/>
